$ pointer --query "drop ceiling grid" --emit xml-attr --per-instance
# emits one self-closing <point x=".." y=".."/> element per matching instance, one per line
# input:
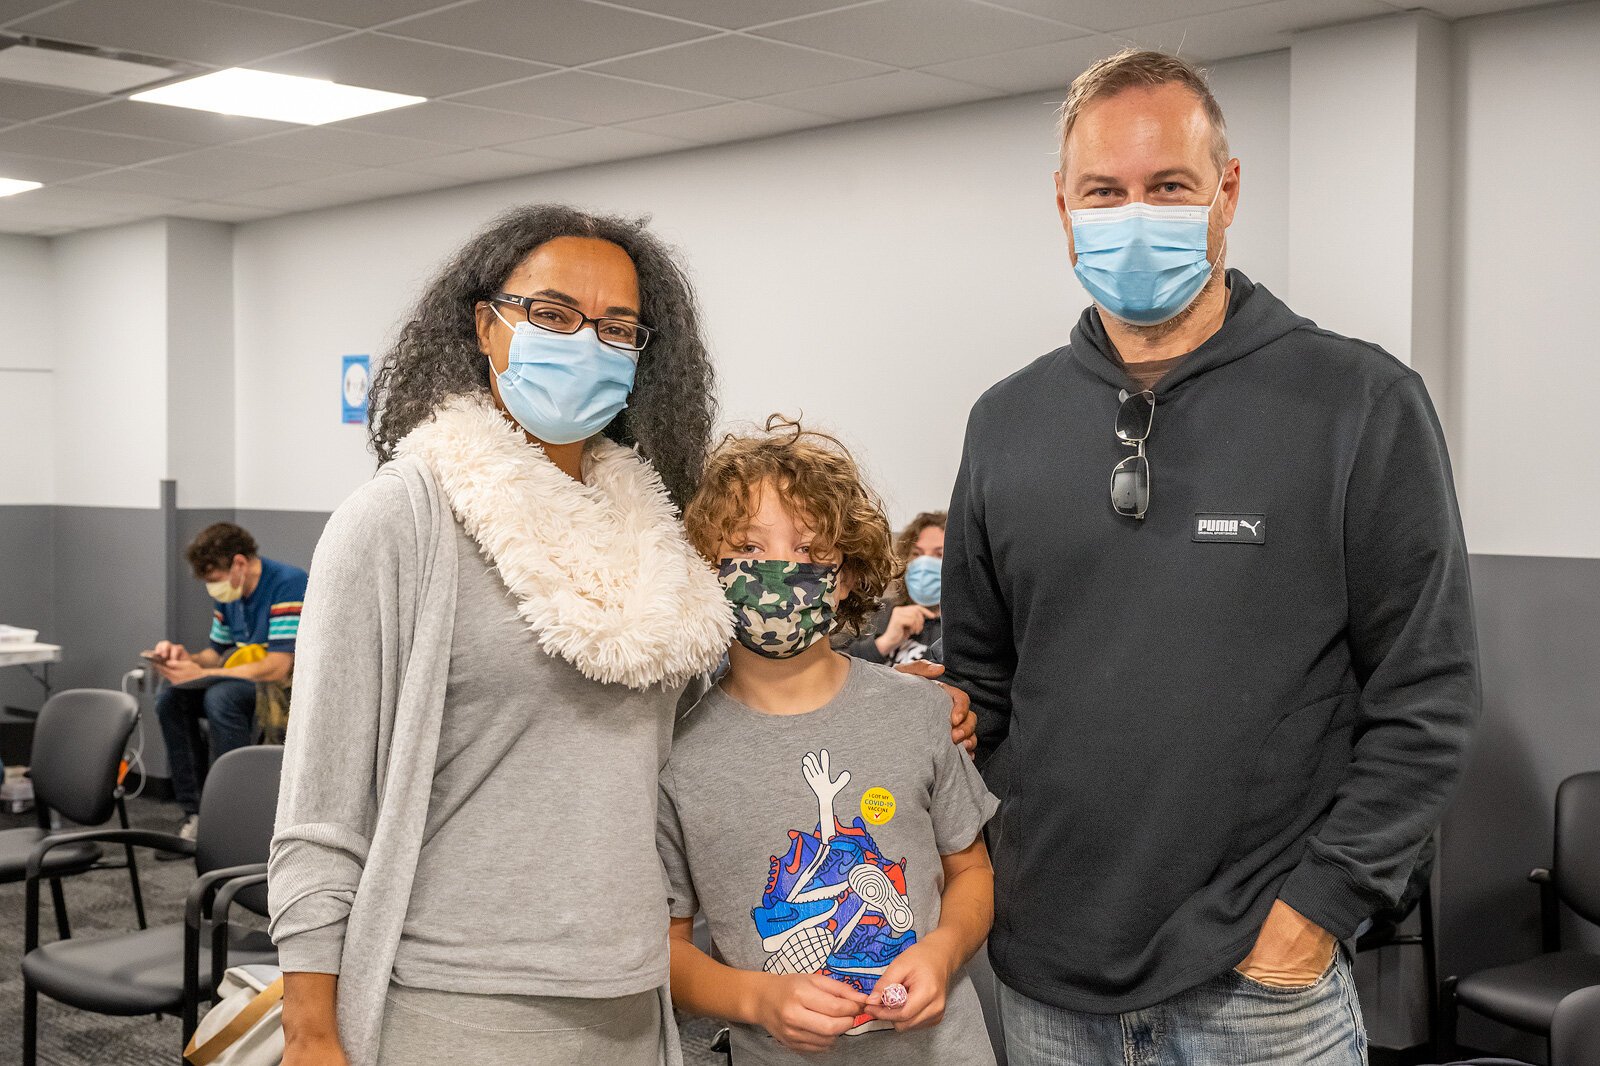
<point x="831" y="45"/>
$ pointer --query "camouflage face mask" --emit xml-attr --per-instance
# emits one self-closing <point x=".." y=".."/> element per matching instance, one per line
<point x="780" y="608"/>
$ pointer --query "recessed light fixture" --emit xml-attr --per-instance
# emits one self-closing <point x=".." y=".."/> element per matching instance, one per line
<point x="12" y="186"/>
<point x="283" y="97"/>
<point x="67" y="66"/>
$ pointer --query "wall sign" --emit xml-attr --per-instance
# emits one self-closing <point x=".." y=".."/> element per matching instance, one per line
<point x="355" y="381"/>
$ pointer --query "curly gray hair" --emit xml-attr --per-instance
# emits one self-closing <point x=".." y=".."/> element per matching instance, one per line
<point x="436" y="356"/>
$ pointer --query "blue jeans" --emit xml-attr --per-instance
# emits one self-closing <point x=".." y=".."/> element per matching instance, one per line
<point x="1229" y="1020"/>
<point x="229" y="707"/>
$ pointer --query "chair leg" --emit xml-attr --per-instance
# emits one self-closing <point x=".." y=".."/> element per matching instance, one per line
<point x="59" y="899"/>
<point x="1444" y="1042"/>
<point x="30" y="1024"/>
<point x="1430" y="965"/>
<point x="133" y="866"/>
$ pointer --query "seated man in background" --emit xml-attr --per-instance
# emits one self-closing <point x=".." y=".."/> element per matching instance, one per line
<point x="254" y="620"/>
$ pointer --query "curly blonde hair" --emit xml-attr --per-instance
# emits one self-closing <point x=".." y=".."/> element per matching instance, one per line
<point x="820" y="483"/>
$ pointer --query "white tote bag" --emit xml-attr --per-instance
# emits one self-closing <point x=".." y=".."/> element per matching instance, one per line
<point x="246" y="1027"/>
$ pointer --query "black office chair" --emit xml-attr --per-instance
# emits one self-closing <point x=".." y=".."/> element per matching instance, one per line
<point x="160" y="971"/>
<point x="1525" y="995"/>
<point x="1574" y="1034"/>
<point x="78" y="744"/>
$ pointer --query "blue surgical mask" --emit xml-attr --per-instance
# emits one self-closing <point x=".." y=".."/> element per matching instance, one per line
<point x="564" y="387"/>
<point x="922" y="580"/>
<point x="1141" y="262"/>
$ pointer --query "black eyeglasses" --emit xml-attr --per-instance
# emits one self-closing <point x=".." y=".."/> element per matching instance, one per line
<point x="1130" y="479"/>
<point x="621" y="333"/>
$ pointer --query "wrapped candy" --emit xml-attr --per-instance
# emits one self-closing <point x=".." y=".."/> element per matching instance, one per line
<point x="894" y="996"/>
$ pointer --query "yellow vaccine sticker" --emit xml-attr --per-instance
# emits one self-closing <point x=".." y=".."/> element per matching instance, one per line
<point x="877" y="805"/>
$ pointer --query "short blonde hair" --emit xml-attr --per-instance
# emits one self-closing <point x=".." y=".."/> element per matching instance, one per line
<point x="1141" y="68"/>
<point x="817" y="480"/>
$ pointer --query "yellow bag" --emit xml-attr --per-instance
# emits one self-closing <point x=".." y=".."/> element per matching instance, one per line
<point x="244" y="655"/>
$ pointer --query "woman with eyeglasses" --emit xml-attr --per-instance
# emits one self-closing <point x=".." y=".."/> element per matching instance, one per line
<point x="497" y="632"/>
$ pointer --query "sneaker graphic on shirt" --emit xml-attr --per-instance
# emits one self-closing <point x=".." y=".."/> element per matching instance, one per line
<point x="832" y="904"/>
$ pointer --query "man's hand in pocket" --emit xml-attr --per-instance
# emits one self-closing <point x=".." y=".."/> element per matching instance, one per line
<point x="1291" y="950"/>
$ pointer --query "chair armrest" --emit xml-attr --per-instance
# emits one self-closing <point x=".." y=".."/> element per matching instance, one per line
<point x="197" y="905"/>
<point x="196" y="908"/>
<point x="1549" y="909"/>
<point x="219" y="920"/>
<point x="143" y="838"/>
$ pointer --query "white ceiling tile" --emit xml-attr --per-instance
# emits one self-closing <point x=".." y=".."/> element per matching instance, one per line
<point x="456" y="124"/>
<point x="21" y="103"/>
<point x="282" y="198"/>
<point x="741" y="67"/>
<point x="915" y="33"/>
<point x="232" y="169"/>
<point x="181" y="124"/>
<point x="735" y="14"/>
<point x="737" y="121"/>
<point x="180" y="29"/>
<point x="483" y="164"/>
<point x="352" y="147"/>
<point x="1101" y="15"/>
<point x="592" y="99"/>
<point x="1457" y="9"/>
<point x="16" y="215"/>
<point x="151" y="181"/>
<point x="564" y="32"/>
<point x="375" y="61"/>
<point x="377" y="182"/>
<point x="597" y="145"/>
<point x="358" y="13"/>
<point x="223" y="212"/>
<point x="1244" y="31"/>
<point x="85" y="146"/>
<point x="1042" y="67"/>
<point x="882" y="94"/>
<point x="32" y="168"/>
<point x="11" y="10"/>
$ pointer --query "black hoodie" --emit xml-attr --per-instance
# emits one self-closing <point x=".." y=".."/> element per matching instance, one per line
<point x="1262" y="690"/>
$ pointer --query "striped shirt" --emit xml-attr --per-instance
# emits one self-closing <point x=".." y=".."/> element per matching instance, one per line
<point x="270" y="615"/>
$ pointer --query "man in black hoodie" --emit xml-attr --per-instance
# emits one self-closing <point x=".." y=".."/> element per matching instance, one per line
<point x="1224" y="705"/>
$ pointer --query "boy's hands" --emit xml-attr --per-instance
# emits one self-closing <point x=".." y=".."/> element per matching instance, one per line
<point x="925" y="969"/>
<point x="808" y="1012"/>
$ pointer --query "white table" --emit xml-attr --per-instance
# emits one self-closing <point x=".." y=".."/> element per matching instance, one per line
<point x="28" y="656"/>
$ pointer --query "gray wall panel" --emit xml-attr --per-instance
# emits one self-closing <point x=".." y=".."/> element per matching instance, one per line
<point x="287" y="536"/>
<point x="1538" y="628"/>
<point x="110" y="590"/>
<point x="27" y="589"/>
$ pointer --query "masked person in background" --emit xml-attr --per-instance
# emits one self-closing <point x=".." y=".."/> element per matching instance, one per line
<point x="1224" y="707"/>
<point x="500" y="626"/>
<point x="909" y="623"/>
<point x="255" y="621"/>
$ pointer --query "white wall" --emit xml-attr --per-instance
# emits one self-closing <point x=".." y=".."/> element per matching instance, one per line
<point x="110" y="365"/>
<point x="1525" y="269"/>
<point x="876" y="276"/>
<point x="199" y="342"/>
<point x="27" y="472"/>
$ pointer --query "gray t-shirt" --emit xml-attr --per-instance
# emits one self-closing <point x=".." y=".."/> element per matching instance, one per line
<point x="812" y="843"/>
<point x="536" y="875"/>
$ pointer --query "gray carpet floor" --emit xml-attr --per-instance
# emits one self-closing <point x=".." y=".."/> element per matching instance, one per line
<point x="99" y="904"/>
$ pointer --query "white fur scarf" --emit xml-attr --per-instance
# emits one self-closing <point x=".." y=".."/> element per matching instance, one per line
<point x="601" y="570"/>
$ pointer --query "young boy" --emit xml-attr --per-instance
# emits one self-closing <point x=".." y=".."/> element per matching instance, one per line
<point x="814" y="807"/>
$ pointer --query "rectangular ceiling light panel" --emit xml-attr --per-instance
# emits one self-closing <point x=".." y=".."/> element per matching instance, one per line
<point x="79" y="70"/>
<point x="283" y="97"/>
<point x="12" y="186"/>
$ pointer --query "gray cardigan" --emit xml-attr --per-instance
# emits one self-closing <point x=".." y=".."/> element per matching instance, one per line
<point x="375" y="641"/>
